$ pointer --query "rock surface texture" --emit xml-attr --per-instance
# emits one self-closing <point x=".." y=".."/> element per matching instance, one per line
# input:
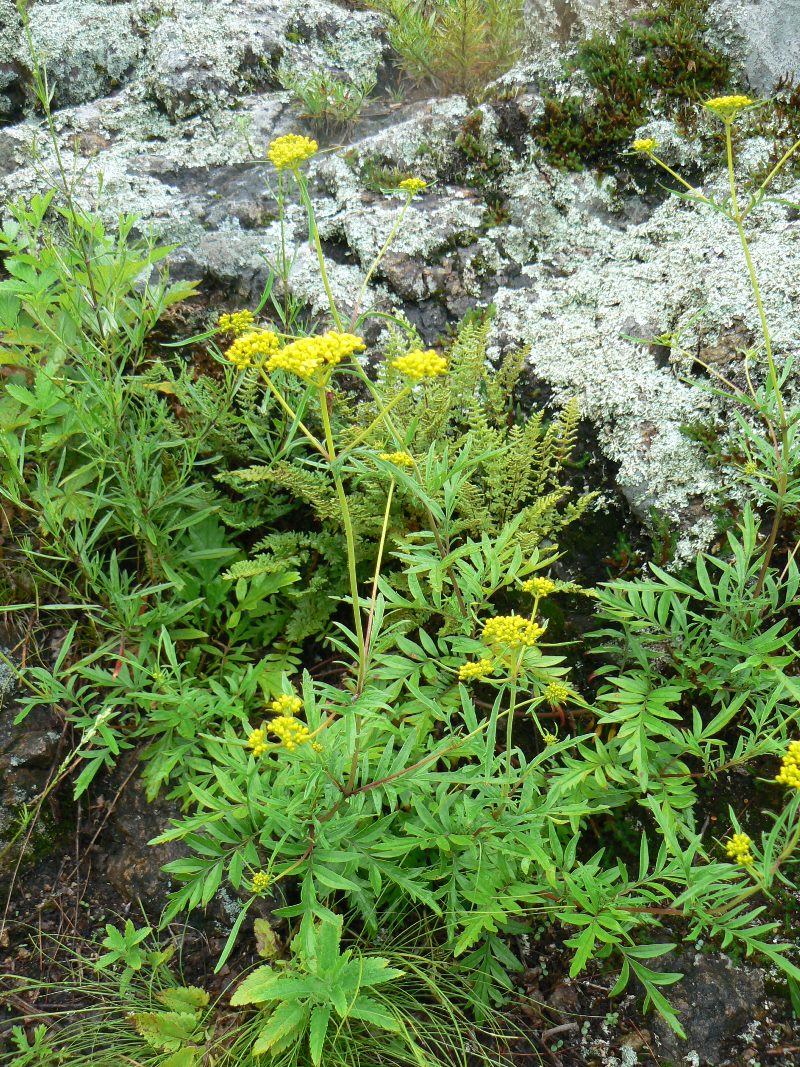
<point x="766" y="34"/>
<point x="172" y="104"/>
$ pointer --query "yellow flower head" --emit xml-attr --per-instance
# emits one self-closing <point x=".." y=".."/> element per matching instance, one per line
<point x="290" y="731"/>
<point x="257" y="741"/>
<point x="482" y="668"/>
<point x="290" y="151"/>
<point x="728" y="107"/>
<point x="412" y="186"/>
<point x="556" y="693"/>
<point x="550" y="739"/>
<point x="261" y="882"/>
<point x="236" y="323"/>
<point x="539" y="586"/>
<point x="251" y="349"/>
<point x="789" y="774"/>
<point x="317" y="747"/>
<point x="512" y="631"/>
<point x="400" y="459"/>
<point x="307" y="357"/>
<point x="738" y="848"/>
<point x="418" y="365"/>
<point x="645" y="144"/>
<point x="286" y="704"/>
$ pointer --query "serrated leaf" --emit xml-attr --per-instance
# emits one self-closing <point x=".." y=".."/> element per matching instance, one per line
<point x="255" y="988"/>
<point x="285" y="1019"/>
<point x="184" y="998"/>
<point x="373" y="1012"/>
<point x="165" y="1030"/>
<point x="317" y="1030"/>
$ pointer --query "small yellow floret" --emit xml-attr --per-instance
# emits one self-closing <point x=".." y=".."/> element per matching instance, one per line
<point x="789" y="774"/>
<point x="556" y="693"/>
<point x="481" y="668"/>
<point x="738" y="848"/>
<point x="290" y="151"/>
<point x="400" y="459"/>
<point x="251" y="349"/>
<point x="308" y="356"/>
<point x="237" y="322"/>
<point x="550" y="739"/>
<point x="290" y="731"/>
<point x="727" y="107"/>
<point x="261" y="882"/>
<point x="539" y="586"/>
<point x="419" y="364"/>
<point x="257" y="741"/>
<point x="286" y="704"/>
<point x="645" y="144"/>
<point x="513" y="631"/>
<point x="412" y="186"/>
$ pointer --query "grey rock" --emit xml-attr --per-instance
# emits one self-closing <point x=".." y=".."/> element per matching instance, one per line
<point x="132" y="865"/>
<point x="28" y="753"/>
<point x="716" y="1001"/>
<point x="766" y="34"/>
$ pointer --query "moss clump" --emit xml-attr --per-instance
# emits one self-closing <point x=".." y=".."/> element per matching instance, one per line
<point x="658" y="63"/>
<point x="780" y="123"/>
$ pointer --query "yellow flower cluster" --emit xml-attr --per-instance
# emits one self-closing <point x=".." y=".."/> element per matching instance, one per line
<point x="789" y="773"/>
<point x="290" y="731"/>
<point x="419" y="364"/>
<point x="539" y="586"/>
<point x="286" y="704"/>
<point x="257" y="741"/>
<point x="252" y="348"/>
<point x="236" y="323"/>
<point x="290" y="151"/>
<point x="306" y="356"/>
<point x="738" y="848"/>
<point x="727" y="107"/>
<point x="261" y="882"/>
<point x="550" y="739"/>
<point x="481" y="668"/>
<point x="644" y="144"/>
<point x="412" y="186"/>
<point x="513" y="631"/>
<point x="556" y="693"/>
<point x="400" y="459"/>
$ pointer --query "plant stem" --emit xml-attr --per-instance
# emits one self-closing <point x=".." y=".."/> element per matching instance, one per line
<point x="292" y="414"/>
<point x="313" y="233"/>
<point x="782" y="451"/>
<point x="374" y="595"/>
<point x="377" y="260"/>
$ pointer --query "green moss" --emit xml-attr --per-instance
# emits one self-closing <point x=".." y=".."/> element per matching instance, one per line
<point x="780" y="123"/>
<point x="658" y="64"/>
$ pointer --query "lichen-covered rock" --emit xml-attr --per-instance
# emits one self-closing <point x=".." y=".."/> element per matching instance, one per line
<point x="202" y="52"/>
<point x="11" y="68"/>
<point x="88" y="48"/>
<point x="603" y="289"/>
<point x="766" y="35"/>
<point x="554" y="23"/>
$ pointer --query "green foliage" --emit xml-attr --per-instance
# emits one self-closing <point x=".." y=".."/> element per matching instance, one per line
<point x="658" y="63"/>
<point x="312" y="593"/>
<point x="322" y="981"/>
<point x="456" y="46"/>
<point x="323" y="99"/>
